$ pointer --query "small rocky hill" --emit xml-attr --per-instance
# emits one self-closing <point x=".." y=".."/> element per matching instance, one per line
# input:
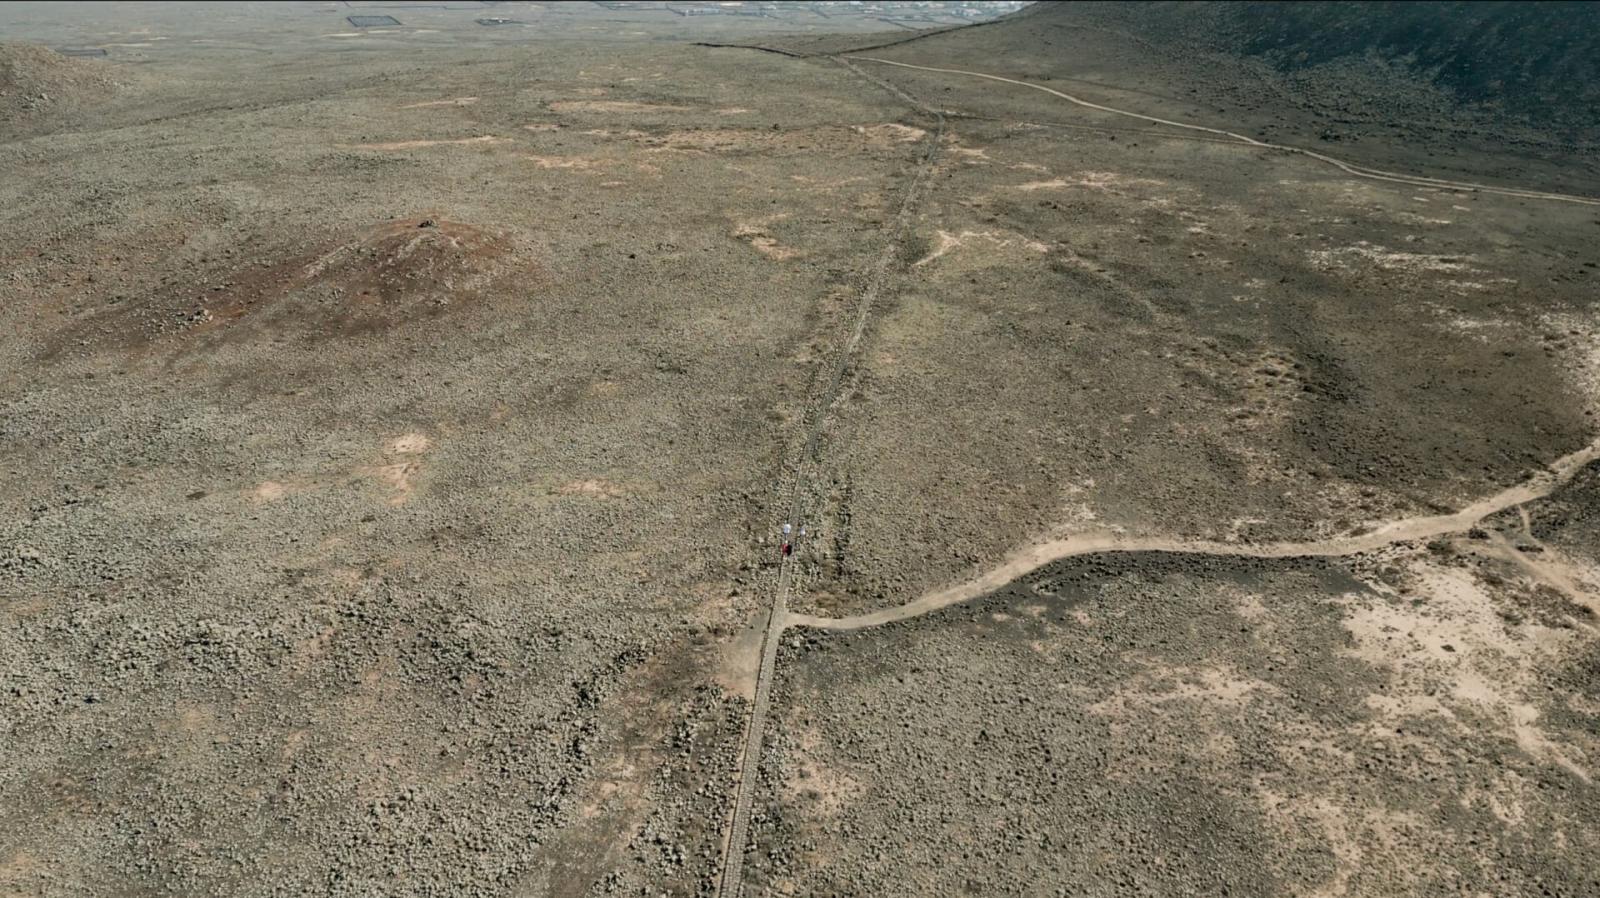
<point x="36" y="81"/>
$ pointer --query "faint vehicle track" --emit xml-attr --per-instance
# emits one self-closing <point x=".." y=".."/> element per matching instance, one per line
<point x="1356" y="170"/>
<point x="732" y="882"/>
<point x="1034" y="557"/>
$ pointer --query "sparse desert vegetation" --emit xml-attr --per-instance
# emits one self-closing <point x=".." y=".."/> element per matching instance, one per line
<point x="409" y="430"/>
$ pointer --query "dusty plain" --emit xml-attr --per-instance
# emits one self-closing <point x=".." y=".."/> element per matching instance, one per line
<point x="397" y="424"/>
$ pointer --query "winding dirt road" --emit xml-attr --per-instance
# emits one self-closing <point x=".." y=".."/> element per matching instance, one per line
<point x="1034" y="557"/>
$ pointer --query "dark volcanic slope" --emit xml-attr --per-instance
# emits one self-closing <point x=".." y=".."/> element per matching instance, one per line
<point x="1533" y="62"/>
<point x="1484" y="90"/>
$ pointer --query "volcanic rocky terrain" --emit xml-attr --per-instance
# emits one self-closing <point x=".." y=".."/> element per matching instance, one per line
<point x="1189" y="410"/>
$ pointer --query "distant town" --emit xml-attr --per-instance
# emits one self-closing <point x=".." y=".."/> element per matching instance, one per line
<point x="910" y="13"/>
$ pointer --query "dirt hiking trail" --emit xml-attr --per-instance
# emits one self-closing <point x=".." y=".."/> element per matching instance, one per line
<point x="1033" y="557"/>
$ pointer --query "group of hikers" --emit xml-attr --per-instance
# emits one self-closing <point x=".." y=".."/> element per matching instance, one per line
<point x="788" y="545"/>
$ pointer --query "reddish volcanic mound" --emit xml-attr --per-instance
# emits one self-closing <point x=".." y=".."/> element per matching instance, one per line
<point x="403" y="271"/>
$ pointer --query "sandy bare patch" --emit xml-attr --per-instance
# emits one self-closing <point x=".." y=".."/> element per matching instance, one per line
<point x="1451" y="651"/>
<point x="453" y="101"/>
<point x="769" y="247"/>
<point x="1578" y="581"/>
<point x="1480" y="328"/>
<point x="831" y="184"/>
<point x="828" y="786"/>
<point x="1092" y="180"/>
<point x="593" y="488"/>
<point x="1412" y="218"/>
<point x="1074" y="511"/>
<point x="622" y="107"/>
<point x="740" y="661"/>
<point x="1578" y="349"/>
<point x="1358" y="837"/>
<point x="17" y="866"/>
<point x="947" y="241"/>
<point x="25" y="606"/>
<point x="1215" y="686"/>
<point x="269" y="491"/>
<point x="1461" y="621"/>
<point x="568" y="163"/>
<point x="705" y="140"/>
<point x="626" y="133"/>
<point x="709" y="140"/>
<point x="409" y="444"/>
<point x="756" y="233"/>
<point x="890" y="133"/>
<point x="1364" y="254"/>
<point x="188" y="721"/>
<point x="399" y="476"/>
<point x="1465" y="287"/>
<point x="487" y="139"/>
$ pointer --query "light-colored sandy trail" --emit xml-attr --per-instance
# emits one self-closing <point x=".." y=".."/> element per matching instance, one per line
<point x="1036" y="556"/>
<point x="1356" y="170"/>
